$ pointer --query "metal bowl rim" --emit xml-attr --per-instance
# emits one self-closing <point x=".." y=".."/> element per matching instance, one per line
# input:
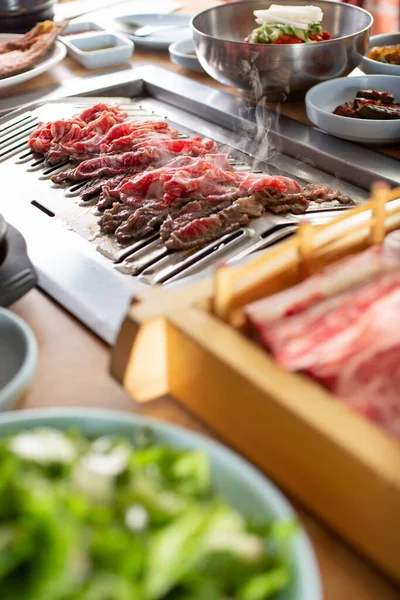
<point x="21" y="12"/>
<point x="344" y="37"/>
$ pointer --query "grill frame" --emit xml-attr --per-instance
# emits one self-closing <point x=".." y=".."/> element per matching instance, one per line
<point x="84" y="281"/>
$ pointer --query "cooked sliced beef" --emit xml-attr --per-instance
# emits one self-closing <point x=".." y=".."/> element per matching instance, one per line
<point x="295" y="203"/>
<point x="114" y="217"/>
<point x="145" y="220"/>
<point x="197" y="231"/>
<point x="200" y="231"/>
<point x="193" y="210"/>
<point x="95" y="186"/>
<point x="323" y="193"/>
<point x="148" y="178"/>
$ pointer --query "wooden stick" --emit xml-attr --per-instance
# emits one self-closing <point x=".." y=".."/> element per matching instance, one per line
<point x="379" y="198"/>
<point x="223" y="291"/>
<point x="306" y="248"/>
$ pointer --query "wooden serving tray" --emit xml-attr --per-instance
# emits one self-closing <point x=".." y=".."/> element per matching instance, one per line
<point x="190" y="344"/>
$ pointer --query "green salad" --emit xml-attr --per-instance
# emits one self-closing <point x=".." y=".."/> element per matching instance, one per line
<point x="118" y="519"/>
<point x="271" y="33"/>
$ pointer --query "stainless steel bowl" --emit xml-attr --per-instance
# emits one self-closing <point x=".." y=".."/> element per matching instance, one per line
<point x="18" y="16"/>
<point x="278" y="71"/>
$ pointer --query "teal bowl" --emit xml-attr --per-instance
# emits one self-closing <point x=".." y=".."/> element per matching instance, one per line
<point x="18" y="358"/>
<point x="240" y="483"/>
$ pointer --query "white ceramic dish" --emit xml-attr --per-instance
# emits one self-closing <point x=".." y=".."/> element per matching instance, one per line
<point x="89" y="52"/>
<point x="322" y="100"/>
<point x="80" y="28"/>
<point x="52" y="58"/>
<point x="374" y="66"/>
<point x="160" y="40"/>
<point x="18" y="352"/>
<point x="184" y="54"/>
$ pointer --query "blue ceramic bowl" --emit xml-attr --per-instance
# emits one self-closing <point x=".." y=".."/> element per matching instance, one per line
<point x="183" y="53"/>
<point x="18" y="358"/>
<point x="240" y="483"/>
<point x="322" y="100"/>
<point x="374" y="66"/>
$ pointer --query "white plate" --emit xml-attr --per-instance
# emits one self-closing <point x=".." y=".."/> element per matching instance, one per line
<point x="53" y="57"/>
<point x="163" y="39"/>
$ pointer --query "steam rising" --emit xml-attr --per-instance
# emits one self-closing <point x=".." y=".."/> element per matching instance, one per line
<point x="258" y="139"/>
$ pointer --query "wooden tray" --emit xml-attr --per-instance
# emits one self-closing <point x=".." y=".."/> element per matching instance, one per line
<point x="190" y="344"/>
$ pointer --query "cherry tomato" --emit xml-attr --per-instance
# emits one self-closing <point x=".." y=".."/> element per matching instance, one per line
<point x="326" y="35"/>
<point x="316" y="37"/>
<point x="288" y="39"/>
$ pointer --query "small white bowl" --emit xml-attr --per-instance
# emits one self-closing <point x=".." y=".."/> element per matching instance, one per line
<point x="323" y="98"/>
<point x="374" y="66"/>
<point x="18" y="352"/>
<point x="80" y="28"/>
<point x="100" y="50"/>
<point x="180" y="53"/>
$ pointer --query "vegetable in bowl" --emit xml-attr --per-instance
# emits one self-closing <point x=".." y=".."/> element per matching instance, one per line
<point x="117" y="517"/>
<point x="288" y="25"/>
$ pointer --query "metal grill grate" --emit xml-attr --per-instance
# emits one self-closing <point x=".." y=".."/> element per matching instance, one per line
<point x="147" y="259"/>
<point x="90" y="274"/>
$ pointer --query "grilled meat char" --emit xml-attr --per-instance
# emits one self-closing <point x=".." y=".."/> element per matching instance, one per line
<point x="323" y="193"/>
<point x="93" y="187"/>
<point x="214" y="201"/>
<point x="114" y="217"/>
<point x="196" y="228"/>
<point x="149" y="179"/>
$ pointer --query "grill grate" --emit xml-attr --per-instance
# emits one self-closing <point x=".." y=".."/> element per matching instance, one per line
<point x="148" y="259"/>
<point x="89" y="273"/>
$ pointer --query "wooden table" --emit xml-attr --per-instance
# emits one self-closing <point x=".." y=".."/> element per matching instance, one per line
<point x="73" y="371"/>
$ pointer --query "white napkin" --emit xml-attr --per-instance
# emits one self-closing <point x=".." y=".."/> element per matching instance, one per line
<point x="100" y="8"/>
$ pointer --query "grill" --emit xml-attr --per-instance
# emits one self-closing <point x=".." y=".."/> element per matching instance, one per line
<point x="90" y="274"/>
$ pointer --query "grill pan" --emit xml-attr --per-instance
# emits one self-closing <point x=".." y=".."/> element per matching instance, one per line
<point x="90" y="274"/>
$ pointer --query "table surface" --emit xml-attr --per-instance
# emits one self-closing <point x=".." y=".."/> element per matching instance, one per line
<point x="73" y="371"/>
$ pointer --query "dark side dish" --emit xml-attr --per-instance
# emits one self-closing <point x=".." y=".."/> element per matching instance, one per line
<point x="370" y="104"/>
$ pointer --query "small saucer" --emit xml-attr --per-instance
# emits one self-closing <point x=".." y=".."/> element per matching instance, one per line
<point x="183" y="53"/>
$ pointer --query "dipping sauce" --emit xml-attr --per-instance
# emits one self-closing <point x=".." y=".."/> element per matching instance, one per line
<point x="96" y="48"/>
